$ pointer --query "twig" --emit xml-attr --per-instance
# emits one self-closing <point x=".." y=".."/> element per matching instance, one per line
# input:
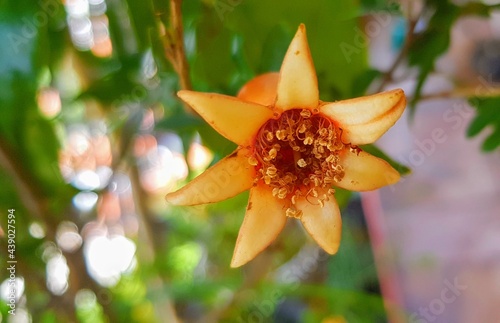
<point x="31" y="197"/>
<point x="180" y="54"/>
<point x="174" y="45"/>
<point x="154" y="239"/>
<point x="34" y="203"/>
<point x="388" y="75"/>
<point x="463" y="93"/>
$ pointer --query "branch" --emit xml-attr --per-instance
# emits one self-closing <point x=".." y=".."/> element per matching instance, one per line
<point x="180" y="54"/>
<point x="174" y="45"/>
<point x="388" y="75"/>
<point x="24" y="185"/>
<point x="464" y="92"/>
<point x="155" y="237"/>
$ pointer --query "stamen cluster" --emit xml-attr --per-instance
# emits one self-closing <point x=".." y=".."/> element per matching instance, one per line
<point x="297" y="155"/>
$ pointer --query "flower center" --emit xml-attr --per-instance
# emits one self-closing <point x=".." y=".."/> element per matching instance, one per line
<point x="297" y="155"/>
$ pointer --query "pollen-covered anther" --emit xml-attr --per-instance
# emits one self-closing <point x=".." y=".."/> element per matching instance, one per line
<point x="252" y="161"/>
<point x="282" y="193"/>
<point x="305" y="113"/>
<point x="272" y="153"/>
<point x="293" y="213"/>
<point x="281" y="134"/>
<point x="309" y="139"/>
<point x="330" y="159"/>
<point x="271" y="171"/>
<point x="297" y="155"/>
<point x="301" y="162"/>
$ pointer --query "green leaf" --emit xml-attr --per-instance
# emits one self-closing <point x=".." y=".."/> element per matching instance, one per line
<point x="492" y="142"/>
<point x="362" y="82"/>
<point x="480" y="9"/>
<point x="119" y="85"/>
<point x="375" y="151"/>
<point x="432" y="42"/>
<point x="263" y="23"/>
<point x="212" y="67"/>
<point x="28" y="136"/>
<point x="142" y="20"/>
<point x="487" y="115"/>
<point x="180" y="123"/>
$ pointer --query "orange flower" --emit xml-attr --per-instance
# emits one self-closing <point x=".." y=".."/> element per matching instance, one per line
<point x="292" y="149"/>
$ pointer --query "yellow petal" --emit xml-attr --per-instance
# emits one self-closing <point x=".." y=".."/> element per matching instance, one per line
<point x="298" y="85"/>
<point x="365" y="172"/>
<point x="264" y="220"/>
<point x="261" y="89"/>
<point x="323" y="224"/>
<point x="367" y="118"/>
<point x="229" y="177"/>
<point x="235" y="119"/>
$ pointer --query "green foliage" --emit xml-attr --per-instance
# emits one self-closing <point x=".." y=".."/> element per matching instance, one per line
<point x="427" y="46"/>
<point x="375" y="151"/>
<point x="432" y="42"/>
<point x="487" y="116"/>
<point x="182" y="259"/>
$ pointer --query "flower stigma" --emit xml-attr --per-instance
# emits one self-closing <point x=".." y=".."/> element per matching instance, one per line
<point x="297" y="155"/>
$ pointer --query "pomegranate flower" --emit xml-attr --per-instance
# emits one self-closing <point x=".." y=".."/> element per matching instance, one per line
<point x="292" y="150"/>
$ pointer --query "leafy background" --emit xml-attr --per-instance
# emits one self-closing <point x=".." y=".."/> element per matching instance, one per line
<point x="92" y="137"/>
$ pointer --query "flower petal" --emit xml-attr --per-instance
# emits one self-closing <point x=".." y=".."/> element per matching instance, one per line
<point x="264" y="220"/>
<point x="261" y="89"/>
<point x="235" y="119"/>
<point x="298" y="84"/>
<point x="323" y="224"/>
<point x="367" y="118"/>
<point x="365" y="172"/>
<point x="229" y="177"/>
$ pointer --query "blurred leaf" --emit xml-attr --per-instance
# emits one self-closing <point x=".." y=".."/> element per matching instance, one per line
<point x="213" y="64"/>
<point x="381" y="5"/>
<point x="355" y="306"/>
<point x="181" y="123"/>
<point x="342" y="196"/>
<point x="487" y="114"/>
<point x="29" y="137"/>
<point x="435" y="39"/>
<point x="329" y="25"/>
<point x="477" y="8"/>
<point x="353" y="266"/>
<point x="273" y="50"/>
<point x="363" y="81"/>
<point x="375" y="151"/>
<point x="119" y="85"/>
<point x="432" y="42"/>
<point x="20" y="66"/>
<point x="142" y="20"/>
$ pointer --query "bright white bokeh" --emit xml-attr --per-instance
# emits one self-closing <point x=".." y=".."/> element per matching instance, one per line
<point x="108" y="257"/>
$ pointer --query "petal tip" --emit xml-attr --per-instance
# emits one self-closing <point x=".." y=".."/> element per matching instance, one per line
<point x="176" y="198"/>
<point x="182" y="93"/>
<point x="331" y="249"/>
<point x="237" y="261"/>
